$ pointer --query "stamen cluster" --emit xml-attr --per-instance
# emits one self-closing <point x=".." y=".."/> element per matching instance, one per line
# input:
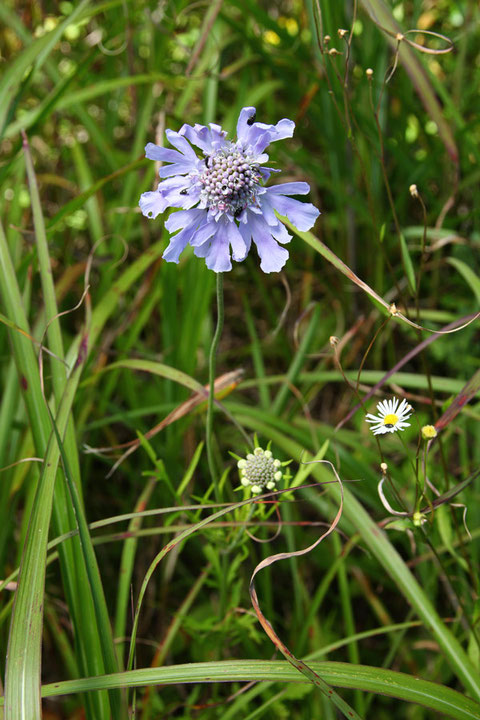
<point x="230" y="181"/>
<point x="259" y="470"/>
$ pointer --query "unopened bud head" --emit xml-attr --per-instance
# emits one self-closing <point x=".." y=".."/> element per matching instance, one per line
<point x="418" y="519"/>
<point x="369" y="72"/>
<point x="413" y="191"/>
<point x="260" y="471"/>
<point x="429" y="432"/>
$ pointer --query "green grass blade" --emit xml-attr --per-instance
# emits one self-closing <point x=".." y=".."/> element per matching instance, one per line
<point x="408" y="265"/>
<point x="74" y="561"/>
<point x="126" y="569"/>
<point x="388" y="557"/>
<point x="377" y="680"/>
<point x="93" y="574"/>
<point x="33" y="55"/>
<point x="382" y="14"/>
<point x="296" y="365"/>
<point x="469" y="275"/>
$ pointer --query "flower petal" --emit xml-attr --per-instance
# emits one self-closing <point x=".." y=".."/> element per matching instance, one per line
<point x="178" y="191"/>
<point x="273" y="257"/>
<point x="204" y="232"/>
<point x="183" y="218"/>
<point x="237" y="243"/>
<point x="161" y="154"/>
<point x="152" y="204"/>
<point x="208" y="139"/>
<point x="291" y="188"/>
<point x="265" y="134"/>
<point x="280" y="233"/>
<point x="182" y="145"/>
<point x="243" y="126"/>
<point x="217" y="251"/>
<point x="302" y="215"/>
<point x="178" y="244"/>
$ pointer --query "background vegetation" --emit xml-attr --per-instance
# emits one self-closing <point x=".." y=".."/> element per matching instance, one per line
<point x="90" y="83"/>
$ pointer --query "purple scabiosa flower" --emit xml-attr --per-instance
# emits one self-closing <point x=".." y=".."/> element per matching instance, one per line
<point x="224" y="202"/>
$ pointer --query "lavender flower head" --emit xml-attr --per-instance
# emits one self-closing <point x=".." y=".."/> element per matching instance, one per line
<point x="224" y="202"/>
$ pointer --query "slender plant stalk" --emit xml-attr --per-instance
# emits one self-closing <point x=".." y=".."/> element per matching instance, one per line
<point x="211" y="381"/>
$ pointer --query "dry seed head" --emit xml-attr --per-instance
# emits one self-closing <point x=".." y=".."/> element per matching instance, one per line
<point x="334" y="340"/>
<point x="334" y="51"/>
<point x="342" y="32"/>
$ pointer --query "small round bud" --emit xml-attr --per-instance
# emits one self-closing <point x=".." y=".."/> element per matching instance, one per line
<point x="384" y="467"/>
<point x="259" y="471"/>
<point x="334" y="51"/>
<point x="369" y="72"/>
<point x="393" y="309"/>
<point x="418" y="519"/>
<point x="429" y="432"/>
<point x="333" y="340"/>
<point x="399" y="37"/>
<point x="413" y="191"/>
<point x="341" y="32"/>
<point x="326" y="39"/>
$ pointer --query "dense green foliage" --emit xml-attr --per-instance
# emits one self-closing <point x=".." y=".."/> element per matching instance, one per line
<point x="387" y="136"/>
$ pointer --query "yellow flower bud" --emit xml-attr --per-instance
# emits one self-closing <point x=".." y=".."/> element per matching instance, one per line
<point x="428" y="432"/>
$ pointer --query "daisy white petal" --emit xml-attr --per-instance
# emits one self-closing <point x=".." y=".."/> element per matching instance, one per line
<point x="391" y="416"/>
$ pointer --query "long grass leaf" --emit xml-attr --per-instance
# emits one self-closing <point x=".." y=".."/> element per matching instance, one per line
<point x="388" y="557"/>
<point x="377" y="680"/>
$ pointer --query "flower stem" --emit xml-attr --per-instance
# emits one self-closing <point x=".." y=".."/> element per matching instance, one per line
<point x="211" y="381"/>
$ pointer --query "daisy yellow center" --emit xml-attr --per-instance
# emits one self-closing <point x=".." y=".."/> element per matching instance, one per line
<point x="390" y="420"/>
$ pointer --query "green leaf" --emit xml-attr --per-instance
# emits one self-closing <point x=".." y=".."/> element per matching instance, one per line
<point x="30" y="59"/>
<point x="388" y="557"/>
<point x="468" y="275"/>
<point x="412" y="689"/>
<point x="407" y="264"/>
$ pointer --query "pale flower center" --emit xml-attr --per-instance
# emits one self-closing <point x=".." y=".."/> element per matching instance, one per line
<point x="230" y="181"/>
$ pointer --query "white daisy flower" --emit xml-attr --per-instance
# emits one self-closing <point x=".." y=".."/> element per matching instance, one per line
<point x="391" y="416"/>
